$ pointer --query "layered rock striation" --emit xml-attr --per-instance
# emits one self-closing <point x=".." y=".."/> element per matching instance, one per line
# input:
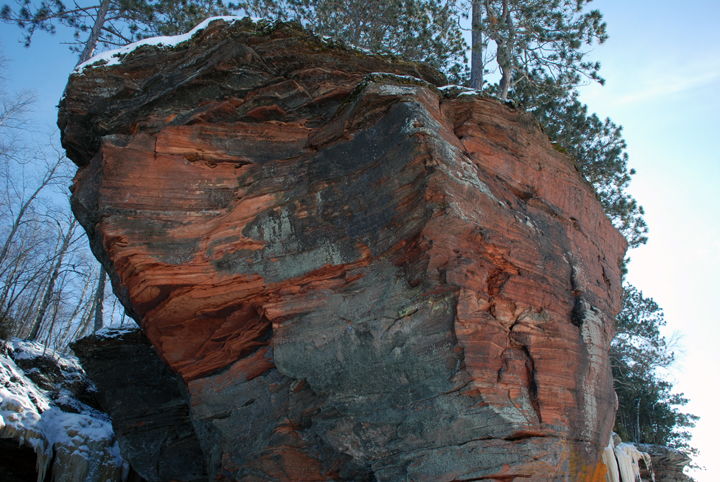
<point x="358" y="275"/>
<point x="145" y="400"/>
<point x="668" y="464"/>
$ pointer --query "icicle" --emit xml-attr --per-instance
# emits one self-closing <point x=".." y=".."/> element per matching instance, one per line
<point x="42" y="462"/>
<point x="634" y="454"/>
<point x="624" y="464"/>
<point x="628" y="457"/>
<point x="608" y="458"/>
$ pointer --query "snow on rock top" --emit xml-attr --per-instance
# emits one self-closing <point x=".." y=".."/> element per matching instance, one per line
<point x="29" y="350"/>
<point x="21" y="402"/>
<point x="114" y="331"/>
<point x="113" y="57"/>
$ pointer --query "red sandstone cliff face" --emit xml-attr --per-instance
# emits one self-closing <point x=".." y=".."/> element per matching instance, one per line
<point x="358" y="277"/>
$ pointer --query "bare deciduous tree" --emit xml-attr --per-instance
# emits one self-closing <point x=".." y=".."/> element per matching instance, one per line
<point x="65" y="242"/>
<point x="46" y="270"/>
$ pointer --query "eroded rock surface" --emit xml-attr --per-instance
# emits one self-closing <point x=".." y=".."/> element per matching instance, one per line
<point x="358" y="276"/>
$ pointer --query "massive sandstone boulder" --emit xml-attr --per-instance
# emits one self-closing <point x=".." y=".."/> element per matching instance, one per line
<point x="355" y="274"/>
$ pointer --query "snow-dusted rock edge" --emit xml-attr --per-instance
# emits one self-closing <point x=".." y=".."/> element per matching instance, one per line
<point x="113" y="57"/>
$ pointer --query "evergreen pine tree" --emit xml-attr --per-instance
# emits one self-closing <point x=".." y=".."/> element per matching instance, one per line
<point x="531" y="36"/>
<point x="648" y="411"/>
<point x="414" y="30"/>
<point x="110" y="23"/>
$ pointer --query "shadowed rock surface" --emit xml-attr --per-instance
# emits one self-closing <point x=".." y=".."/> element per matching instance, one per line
<point x="17" y="462"/>
<point x="149" y="414"/>
<point x="358" y="276"/>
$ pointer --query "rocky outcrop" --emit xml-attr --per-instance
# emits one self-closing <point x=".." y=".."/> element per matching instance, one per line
<point x="626" y="463"/>
<point x="668" y="464"/>
<point x="644" y="462"/>
<point x="149" y="414"/>
<point x="50" y="428"/>
<point x="358" y="275"/>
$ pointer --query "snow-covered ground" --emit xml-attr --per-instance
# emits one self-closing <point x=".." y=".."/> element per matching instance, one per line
<point x="52" y="420"/>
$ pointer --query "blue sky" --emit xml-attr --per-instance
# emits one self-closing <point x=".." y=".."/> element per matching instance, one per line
<point x="662" y="65"/>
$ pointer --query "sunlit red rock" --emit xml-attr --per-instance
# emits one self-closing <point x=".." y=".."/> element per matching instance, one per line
<point x="358" y="276"/>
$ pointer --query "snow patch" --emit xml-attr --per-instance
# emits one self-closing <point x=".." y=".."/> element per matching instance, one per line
<point x="388" y="75"/>
<point x="115" y="331"/>
<point x="29" y="350"/>
<point x="395" y="90"/>
<point x="83" y="443"/>
<point x="113" y="57"/>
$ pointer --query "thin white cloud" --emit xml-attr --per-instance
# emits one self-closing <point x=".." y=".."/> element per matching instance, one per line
<point x="658" y="87"/>
<point x="653" y="78"/>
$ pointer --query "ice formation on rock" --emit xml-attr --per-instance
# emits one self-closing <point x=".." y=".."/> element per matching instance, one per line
<point x="623" y="462"/>
<point x="40" y="409"/>
<point x="608" y="458"/>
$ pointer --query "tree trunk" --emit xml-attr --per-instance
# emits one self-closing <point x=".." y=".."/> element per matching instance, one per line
<point x="476" y="57"/>
<point x="505" y="82"/>
<point x="47" y="178"/>
<point x="22" y="319"/>
<point x="637" y="422"/>
<point x="505" y="52"/>
<point x="49" y="339"/>
<point x="95" y="33"/>
<point x="99" y="299"/>
<point x="64" y="340"/>
<point x="84" y="320"/>
<point x="51" y="283"/>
